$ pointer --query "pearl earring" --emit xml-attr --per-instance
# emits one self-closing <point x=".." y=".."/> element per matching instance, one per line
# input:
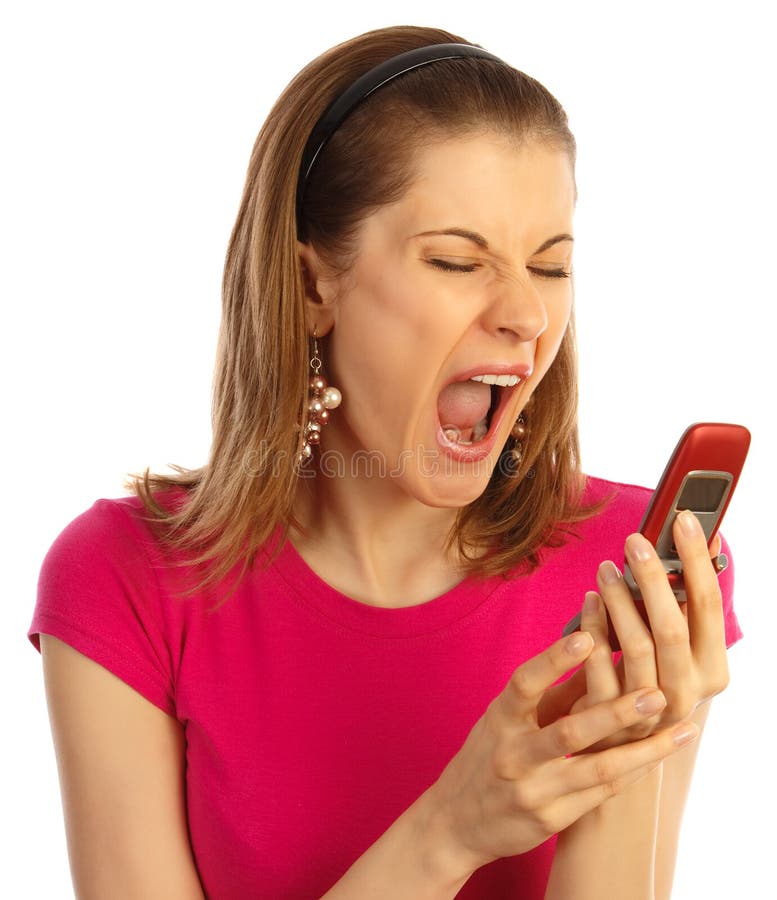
<point x="321" y="398"/>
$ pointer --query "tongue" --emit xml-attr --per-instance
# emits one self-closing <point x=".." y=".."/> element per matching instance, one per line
<point x="463" y="404"/>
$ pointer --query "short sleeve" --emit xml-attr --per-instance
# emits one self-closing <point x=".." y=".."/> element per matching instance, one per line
<point x="98" y="592"/>
<point x="726" y="581"/>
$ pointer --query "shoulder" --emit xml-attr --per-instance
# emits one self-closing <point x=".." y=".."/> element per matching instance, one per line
<point x="100" y="590"/>
<point x="111" y="533"/>
<point x="104" y="522"/>
<point x="116" y="526"/>
<point x="624" y="493"/>
<point x="621" y="505"/>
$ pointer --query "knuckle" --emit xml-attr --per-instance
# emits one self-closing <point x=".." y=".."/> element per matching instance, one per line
<point x="604" y="770"/>
<point x="566" y="735"/>
<point x="545" y="821"/>
<point x="674" y="635"/>
<point x="615" y="787"/>
<point x="641" y="730"/>
<point x="640" y="648"/>
<point x="521" y="684"/>
<point x="625" y="714"/>
<point x="524" y="796"/>
<point x="600" y="654"/>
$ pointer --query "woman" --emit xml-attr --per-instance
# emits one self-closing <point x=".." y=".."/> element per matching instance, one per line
<point x="338" y="643"/>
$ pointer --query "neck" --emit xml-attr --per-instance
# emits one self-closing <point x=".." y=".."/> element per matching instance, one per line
<point x="379" y="544"/>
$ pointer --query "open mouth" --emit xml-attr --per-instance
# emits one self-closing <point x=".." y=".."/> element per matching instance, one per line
<point x="484" y="430"/>
<point x="475" y="433"/>
<point x="470" y="410"/>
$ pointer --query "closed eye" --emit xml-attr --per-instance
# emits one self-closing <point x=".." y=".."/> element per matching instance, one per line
<point x="453" y="267"/>
<point x="550" y="273"/>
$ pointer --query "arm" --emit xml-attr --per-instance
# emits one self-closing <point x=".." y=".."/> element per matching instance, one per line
<point x="121" y="770"/>
<point x="611" y="851"/>
<point x="408" y="860"/>
<point x="678" y="770"/>
<point x="627" y="847"/>
<point x="512" y="785"/>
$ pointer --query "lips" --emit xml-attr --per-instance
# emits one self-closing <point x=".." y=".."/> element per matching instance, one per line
<point x="522" y="370"/>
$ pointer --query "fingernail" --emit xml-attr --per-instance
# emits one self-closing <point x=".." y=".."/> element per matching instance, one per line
<point x="651" y="702"/>
<point x="591" y="604"/>
<point x="609" y="572"/>
<point x="579" y="642"/>
<point x="638" y="548"/>
<point x="689" y="523"/>
<point x="685" y="734"/>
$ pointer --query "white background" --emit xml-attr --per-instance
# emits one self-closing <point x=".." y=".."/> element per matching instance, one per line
<point x="127" y="131"/>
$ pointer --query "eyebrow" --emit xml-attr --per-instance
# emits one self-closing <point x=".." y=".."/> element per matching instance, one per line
<point x="478" y="239"/>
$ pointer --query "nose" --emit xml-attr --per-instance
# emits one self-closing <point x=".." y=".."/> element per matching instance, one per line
<point x="517" y="306"/>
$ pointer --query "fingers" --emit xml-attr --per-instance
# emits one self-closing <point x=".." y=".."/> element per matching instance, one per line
<point x="704" y="604"/>
<point x="689" y="639"/>
<point x="601" y="678"/>
<point x="574" y="733"/>
<point x="587" y="781"/>
<point x="639" y="659"/>
<point x="519" y="700"/>
<point x="667" y="622"/>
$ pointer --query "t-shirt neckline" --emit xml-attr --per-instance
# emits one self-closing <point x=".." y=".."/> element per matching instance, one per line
<point x="405" y="621"/>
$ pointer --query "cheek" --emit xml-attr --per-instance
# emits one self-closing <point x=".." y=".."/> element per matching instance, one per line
<point x="380" y="329"/>
<point x="549" y="342"/>
<point x="392" y="319"/>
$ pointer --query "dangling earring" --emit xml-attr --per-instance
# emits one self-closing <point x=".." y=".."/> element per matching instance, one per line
<point x="321" y="398"/>
<point x="518" y="433"/>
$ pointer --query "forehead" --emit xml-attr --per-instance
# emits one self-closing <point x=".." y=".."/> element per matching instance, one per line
<point x="504" y="190"/>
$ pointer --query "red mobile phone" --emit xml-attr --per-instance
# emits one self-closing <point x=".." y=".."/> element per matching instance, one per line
<point x="701" y="476"/>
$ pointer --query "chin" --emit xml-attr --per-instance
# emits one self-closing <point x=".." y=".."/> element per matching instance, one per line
<point x="451" y="491"/>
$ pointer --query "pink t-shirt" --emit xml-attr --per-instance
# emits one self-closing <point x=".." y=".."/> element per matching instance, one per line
<point x="312" y="720"/>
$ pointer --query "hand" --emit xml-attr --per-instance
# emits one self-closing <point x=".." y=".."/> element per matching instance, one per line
<point x="683" y="652"/>
<point x="514" y="783"/>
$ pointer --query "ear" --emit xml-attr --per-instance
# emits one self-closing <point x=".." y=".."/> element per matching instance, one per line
<point x="321" y="289"/>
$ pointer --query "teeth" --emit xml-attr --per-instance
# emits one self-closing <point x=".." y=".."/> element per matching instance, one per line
<point x="480" y="430"/>
<point x="501" y="380"/>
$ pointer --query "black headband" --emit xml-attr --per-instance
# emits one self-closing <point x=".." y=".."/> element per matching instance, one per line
<point x="373" y="79"/>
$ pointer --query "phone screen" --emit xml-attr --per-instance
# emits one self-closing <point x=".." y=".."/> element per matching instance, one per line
<point x="703" y="494"/>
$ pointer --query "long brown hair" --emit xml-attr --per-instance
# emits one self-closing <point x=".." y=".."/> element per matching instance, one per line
<point x="234" y="503"/>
